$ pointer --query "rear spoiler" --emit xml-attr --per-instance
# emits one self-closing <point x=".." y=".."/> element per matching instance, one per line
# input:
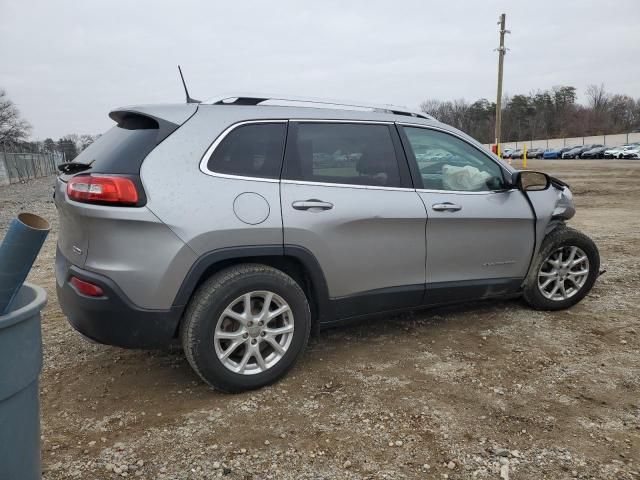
<point x="164" y="118"/>
<point x="174" y="113"/>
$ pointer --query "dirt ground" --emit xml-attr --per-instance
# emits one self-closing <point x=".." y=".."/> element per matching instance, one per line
<point x="487" y="390"/>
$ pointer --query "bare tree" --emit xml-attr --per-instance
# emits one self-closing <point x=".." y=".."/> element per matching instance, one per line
<point x="551" y="113"/>
<point x="455" y="113"/>
<point x="13" y="128"/>
<point x="622" y="110"/>
<point x="86" y="140"/>
<point x="431" y="107"/>
<point x="597" y="97"/>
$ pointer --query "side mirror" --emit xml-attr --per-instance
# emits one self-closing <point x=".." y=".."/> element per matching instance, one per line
<point x="531" y="181"/>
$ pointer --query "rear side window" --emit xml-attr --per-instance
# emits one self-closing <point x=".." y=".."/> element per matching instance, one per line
<point x="252" y="150"/>
<point x="121" y="150"/>
<point x="353" y="154"/>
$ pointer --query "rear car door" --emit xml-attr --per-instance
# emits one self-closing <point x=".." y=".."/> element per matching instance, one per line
<point x="480" y="232"/>
<point x="347" y="197"/>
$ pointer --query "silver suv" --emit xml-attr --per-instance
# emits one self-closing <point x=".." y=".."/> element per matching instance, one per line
<point x="241" y="224"/>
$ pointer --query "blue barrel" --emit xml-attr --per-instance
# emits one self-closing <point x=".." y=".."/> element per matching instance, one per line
<point x="20" y="365"/>
<point x="18" y="251"/>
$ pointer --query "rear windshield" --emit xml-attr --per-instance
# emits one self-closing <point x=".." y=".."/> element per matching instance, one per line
<point x="119" y="150"/>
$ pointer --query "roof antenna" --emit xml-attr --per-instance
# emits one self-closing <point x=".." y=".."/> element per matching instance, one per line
<point x="189" y="99"/>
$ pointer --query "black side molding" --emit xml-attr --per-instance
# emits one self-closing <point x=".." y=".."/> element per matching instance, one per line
<point x="331" y="310"/>
<point x="378" y="300"/>
<point x="442" y="293"/>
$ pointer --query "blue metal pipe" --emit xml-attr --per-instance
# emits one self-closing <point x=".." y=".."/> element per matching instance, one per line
<point x="18" y="251"/>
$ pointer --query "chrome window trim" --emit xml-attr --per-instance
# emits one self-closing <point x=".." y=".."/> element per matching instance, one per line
<point x="466" y="192"/>
<point x="205" y="158"/>
<point x="346" y="185"/>
<point x="207" y="154"/>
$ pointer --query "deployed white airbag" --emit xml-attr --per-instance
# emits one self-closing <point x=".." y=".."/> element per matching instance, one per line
<point x="464" y="178"/>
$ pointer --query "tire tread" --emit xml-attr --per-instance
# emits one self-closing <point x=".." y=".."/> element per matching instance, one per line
<point x="561" y="236"/>
<point x="201" y="300"/>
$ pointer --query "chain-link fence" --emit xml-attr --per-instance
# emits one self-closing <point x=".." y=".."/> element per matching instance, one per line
<point x="16" y="167"/>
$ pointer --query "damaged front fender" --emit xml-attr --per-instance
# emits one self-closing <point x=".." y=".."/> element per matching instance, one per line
<point x="564" y="209"/>
<point x="552" y="208"/>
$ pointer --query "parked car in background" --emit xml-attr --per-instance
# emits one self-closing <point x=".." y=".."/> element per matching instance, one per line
<point x="575" y="152"/>
<point x="551" y="153"/>
<point x="572" y="152"/>
<point x="632" y="152"/>
<point x="516" y="153"/>
<point x="535" y="153"/>
<point x="618" y="152"/>
<point x="506" y="153"/>
<point x="597" y="152"/>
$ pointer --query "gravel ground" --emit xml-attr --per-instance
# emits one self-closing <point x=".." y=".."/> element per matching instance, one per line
<point x="485" y="390"/>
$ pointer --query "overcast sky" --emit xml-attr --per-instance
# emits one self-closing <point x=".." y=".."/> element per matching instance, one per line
<point x="67" y="63"/>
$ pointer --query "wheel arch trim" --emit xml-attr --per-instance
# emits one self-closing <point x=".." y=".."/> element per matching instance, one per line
<point x="252" y="253"/>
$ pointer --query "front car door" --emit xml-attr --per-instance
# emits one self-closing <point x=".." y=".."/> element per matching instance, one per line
<point x="347" y="198"/>
<point x="480" y="233"/>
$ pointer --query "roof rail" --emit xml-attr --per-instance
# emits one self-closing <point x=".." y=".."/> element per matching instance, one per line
<point x="257" y="99"/>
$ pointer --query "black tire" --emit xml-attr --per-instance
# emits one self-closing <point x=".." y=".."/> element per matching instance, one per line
<point x="562" y="236"/>
<point x="206" y="307"/>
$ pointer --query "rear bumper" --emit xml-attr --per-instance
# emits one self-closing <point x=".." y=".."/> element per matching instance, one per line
<point x="112" y="319"/>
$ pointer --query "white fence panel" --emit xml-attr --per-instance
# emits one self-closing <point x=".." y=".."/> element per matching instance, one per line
<point x="609" y="140"/>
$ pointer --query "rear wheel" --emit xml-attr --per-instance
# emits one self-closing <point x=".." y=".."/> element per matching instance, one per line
<point x="245" y="327"/>
<point x="564" y="272"/>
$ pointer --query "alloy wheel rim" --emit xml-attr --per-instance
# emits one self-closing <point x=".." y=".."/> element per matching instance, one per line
<point x="254" y="332"/>
<point x="563" y="273"/>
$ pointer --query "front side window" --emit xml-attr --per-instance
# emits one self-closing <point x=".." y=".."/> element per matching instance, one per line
<point x="251" y="150"/>
<point x="344" y="153"/>
<point x="446" y="162"/>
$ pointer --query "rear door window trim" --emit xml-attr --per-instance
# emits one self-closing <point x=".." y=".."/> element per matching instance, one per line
<point x="405" y="180"/>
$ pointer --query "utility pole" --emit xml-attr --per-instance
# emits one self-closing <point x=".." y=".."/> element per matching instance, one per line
<point x="501" y="51"/>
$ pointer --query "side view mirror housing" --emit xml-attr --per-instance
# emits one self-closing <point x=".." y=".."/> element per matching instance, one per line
<point x="530" y="180"/>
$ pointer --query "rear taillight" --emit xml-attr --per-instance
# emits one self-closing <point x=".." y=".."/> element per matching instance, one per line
<point x="86" y="288"/>
<point x="103" y="189"/>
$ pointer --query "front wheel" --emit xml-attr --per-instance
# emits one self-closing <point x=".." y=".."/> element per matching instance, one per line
<point x="245" y="327"/>
<point x="564" y="272"/>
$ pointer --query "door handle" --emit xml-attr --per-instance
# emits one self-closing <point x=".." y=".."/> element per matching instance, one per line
<point x="312" y="204"/>
<point x="446" y="207"/>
